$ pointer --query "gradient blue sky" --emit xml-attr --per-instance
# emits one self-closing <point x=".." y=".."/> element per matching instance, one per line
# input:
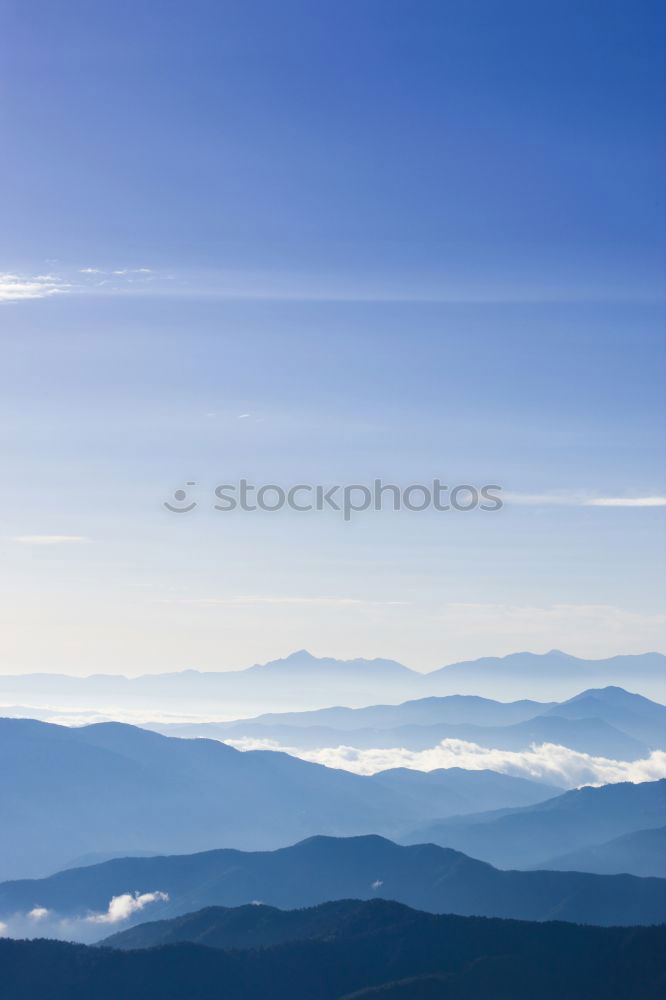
<point x="325" y="242"/>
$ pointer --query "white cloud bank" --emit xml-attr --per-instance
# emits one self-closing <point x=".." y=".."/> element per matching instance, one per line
<point x="124" y="906"/>
<point x="87" y="928"/>
<point x="549" y="762"/>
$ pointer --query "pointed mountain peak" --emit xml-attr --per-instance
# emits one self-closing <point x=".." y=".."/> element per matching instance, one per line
<point x="299" y="654"/>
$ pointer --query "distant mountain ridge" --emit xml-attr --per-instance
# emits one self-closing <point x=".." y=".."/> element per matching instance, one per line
<point x="322" y="869"/>
<point x="455" y="708"/>
<point x="607" y="722"/>
<point x="632" y="713"/>
<point x="302" y="662"/>
<point x="531" y="835"/>
<point x="304" y="681"/>
<point x="591" y="736"/>
<point x="641" y="852"/>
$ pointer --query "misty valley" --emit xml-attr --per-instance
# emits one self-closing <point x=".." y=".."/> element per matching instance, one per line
<point x="317" y="838"/>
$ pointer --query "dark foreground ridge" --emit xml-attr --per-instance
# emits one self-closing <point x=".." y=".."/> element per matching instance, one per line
<point x="359" y="947"/>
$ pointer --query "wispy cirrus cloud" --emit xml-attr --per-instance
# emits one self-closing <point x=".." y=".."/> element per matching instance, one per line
<point x="22" y="287"/>
<point x="656" y="501"/>
<point x="528" y="618"/>
<point x="587" y="629"/>
<point x="327" y="285"/>
<point x="581" y="499"/>
<point x="258" y="599"/>
<point x="118" y="271"/>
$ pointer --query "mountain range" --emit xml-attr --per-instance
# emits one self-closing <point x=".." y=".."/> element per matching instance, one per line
<point x="632" y="714"/>
<point x="586" y="735"/>
<point x="320" y="869"/>
<point x="305" y="681"/>
<point x="554" y="675"/>
<point x="532" y="835"/>
<point x="642" y="852"/>
<point x="110" y="787"/>
<point x="607" y="722"/>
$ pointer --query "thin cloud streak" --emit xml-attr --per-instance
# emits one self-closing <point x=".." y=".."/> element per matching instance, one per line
<point x="250" y="599"/>
<point x="301" y="286"/>
<point x="580" y="499"/>
<point x="534" y="619"/>
<point x="50" y="539"/>
<point x="627" y="502"/>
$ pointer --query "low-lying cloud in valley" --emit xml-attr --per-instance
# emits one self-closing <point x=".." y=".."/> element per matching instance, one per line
<point x="41" y="922"/>
<point x="548" y="762"/>
<point x="122" y="907"/>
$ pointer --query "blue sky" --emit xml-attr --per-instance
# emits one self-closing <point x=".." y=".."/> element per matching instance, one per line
<point x="326" y="243"/>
